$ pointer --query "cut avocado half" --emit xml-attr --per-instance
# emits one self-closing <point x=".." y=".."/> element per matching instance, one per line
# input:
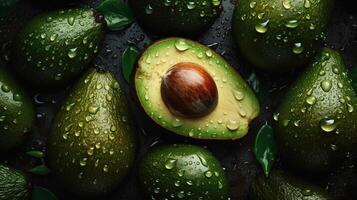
<point x="227" y="115"/>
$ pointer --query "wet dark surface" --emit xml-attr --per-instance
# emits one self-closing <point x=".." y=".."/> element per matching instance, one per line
<point x="236" y="156"/>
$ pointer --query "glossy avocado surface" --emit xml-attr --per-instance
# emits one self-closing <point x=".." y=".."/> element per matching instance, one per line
<point x="281" y="185"/>
<point x="280" y="35"/>
<point x="55" y="47"/>
<point x="315" y="126"/>
<point x="17" y="113"/>
<point x="91" y="147"/>
<point x="13" y="184"/>
<point x="176" y="17"/>
<point x="182" y="172"/>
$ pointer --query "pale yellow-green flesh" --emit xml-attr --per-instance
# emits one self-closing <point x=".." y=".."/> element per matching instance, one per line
<point x="237" y="104"/>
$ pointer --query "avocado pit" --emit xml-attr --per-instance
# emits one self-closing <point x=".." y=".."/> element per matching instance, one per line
<point x="188" y="90"/>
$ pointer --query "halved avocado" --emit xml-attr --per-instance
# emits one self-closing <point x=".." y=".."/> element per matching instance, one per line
<point x="230" y="103"/>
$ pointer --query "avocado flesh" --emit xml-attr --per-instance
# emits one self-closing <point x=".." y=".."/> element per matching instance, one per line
<point x="56" y="47"/>
<point x="91" y="146"/>
<point x="17" y="113"/>
<point x="182" y="172"/>
<point x="13" y="184"/>
<point x="281" y="185"/>
<point x="237" y="104"/>
<point x="280" y="35"/>
<point x="315" y="126"/>
<point x="179" y="18"/>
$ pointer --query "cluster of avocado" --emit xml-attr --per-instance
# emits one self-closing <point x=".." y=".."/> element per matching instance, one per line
<point x="186" y="88"/>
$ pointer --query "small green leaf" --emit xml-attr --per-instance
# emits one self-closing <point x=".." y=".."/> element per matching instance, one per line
<point x="35" y="154"/>
<point x="40" y="193"/>
<point x="265" y="148"/>
<point x="116" y="13"/>
<point x="257" y="87"/>
<point x="353" y="76"/>
<point x="129" y="58"/>
<point x="7" y="6"/>
<point x="40" y="170"/>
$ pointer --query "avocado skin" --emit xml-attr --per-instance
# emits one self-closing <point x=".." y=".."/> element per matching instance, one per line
<point x="13" y="184"/>
<point x="187" y="174"/>
<point x="92" y="144"/>
<point x="281" y="185"/>
<point x="17" y="113"/>
<point x="175" y="19"/>
<point x="306" y="146"/>
<point x="44" y="53"/>
<point x="264" y="50"/>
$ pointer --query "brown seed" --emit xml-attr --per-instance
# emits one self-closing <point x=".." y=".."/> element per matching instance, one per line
<point x="188" y="90"/>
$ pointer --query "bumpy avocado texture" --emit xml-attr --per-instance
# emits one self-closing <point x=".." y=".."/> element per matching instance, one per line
<point x="13" y="184"/>
<point x="16" y="112"/>
<point x="316" y="121"/>
<point x="53" y="48"/>
<point x="237" y="104"/>
<point x="281" y="185"/>
<point x="280" y="35"/>
<point x="176" y="17"/>
<point x="182" y="172"/>
<point x="91" y="147"/>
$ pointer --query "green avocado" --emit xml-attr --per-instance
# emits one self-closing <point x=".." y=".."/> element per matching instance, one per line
<point x="281" y="185"/>
<point x="17" y="113"/>
<point x="182" y="172"/>
<point x="201" y="95"/>
<point x="316" y="121"/>
<point x="171" y="17"/>
<point x="91" y="147"/>
<point x="13" y="184"/>
<point x="280" y="35"/>
<point x="54" y="48"/>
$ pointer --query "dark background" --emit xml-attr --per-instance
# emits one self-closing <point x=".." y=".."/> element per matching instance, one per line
<point x="236" y="156"/>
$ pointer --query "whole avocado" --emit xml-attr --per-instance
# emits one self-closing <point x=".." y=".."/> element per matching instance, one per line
<point x="176" y="17"/>
<point x="182" y="172"/>
<point x="91" y="147"/>
<point x="13" y="184"/>
<point x="53" y="48"/>
<point x="281" y="185"/>
<point x="280" y="35"/>
<point x="17" y="113"/>
<point x="316" y="121"/>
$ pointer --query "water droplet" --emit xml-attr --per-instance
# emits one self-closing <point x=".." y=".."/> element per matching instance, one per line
<point x="311" y="100"/>
<point x="276" y="116"/>
<point x="191" y="5"/>
<point x="176" y="123"/>
<point x="252" y="4"/>
<point x="298" y="48"/>
<point x="334" y="147"/>
<point x="287" y="4"/>
<point x="349" y="107"/>
<point x="149" y="10"/>
<point x="232" y="125"/>
<point x="93" y="109"/>
<point x="238" y="95"/>
<point x="208" y="174"/>
<point x="83" y="162"/>
<point x="326" y="85"/>
<point x="307" y="4"/>
<point x="5" y="88"/>
<point x="72" y="53"/>
<point x="181" y="45"/>
<point x="170" y="164"/>
<point x="328" y="124"/>
<point x="262" y="27"/>
<point x="105" y="168"/>
<point x="90" y="151"/>
<point x="71" y="20"/>
<point x="292" y="23"/>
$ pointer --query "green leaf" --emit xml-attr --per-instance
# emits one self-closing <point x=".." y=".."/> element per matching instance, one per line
<point x="35" y="154"/>
<point x="40" y="170"/>
<point x="7" y="6"/>
<point x="265" y="149"/>
<point x="40" y="193"/>
<point x="116" y="13"/>
<point x="353" y="76"/>
<point x="129" y="58"/>
<point x="257" y="87"/>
